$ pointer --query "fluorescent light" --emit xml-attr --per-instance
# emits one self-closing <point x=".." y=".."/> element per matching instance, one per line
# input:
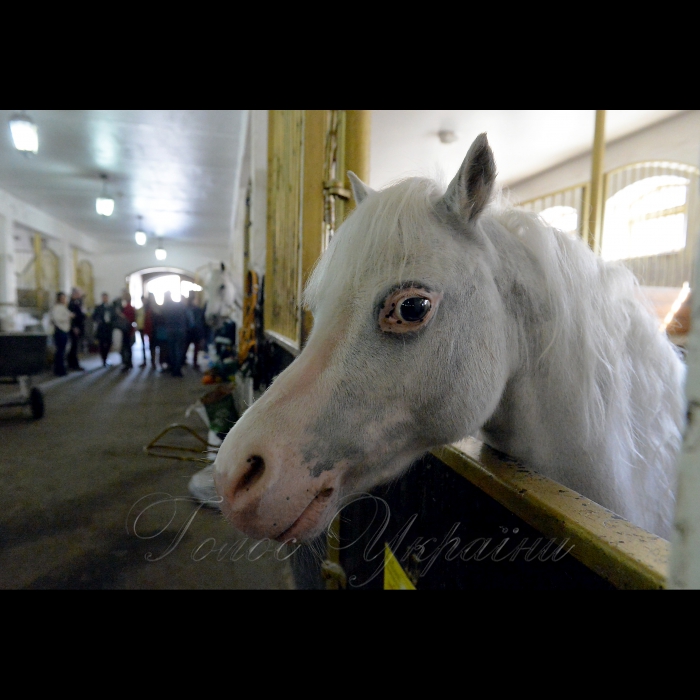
<point x="104" y="206"/>
<point x="141" y="237"/>
<point x="24" y="133"/>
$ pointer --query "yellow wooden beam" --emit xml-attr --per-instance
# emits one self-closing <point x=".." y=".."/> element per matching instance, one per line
<point x="597" y="189"/>
<point x="358" y="127"/>
<point x="615" y="549"/>
<point x="272" y="167"/>
<point x="284" y="224"/>
<point x="38" y="267"/>
<point x="76" y="276"/>
<point x="315" y="129"/>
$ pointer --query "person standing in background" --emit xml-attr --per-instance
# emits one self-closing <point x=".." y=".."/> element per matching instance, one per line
<point x="196" y="328"/>
<point x="175" y="321"/>
<point x="140" y="326"/>
<point x="149" y="326"/>
<point x="127" y="314"/>
<point x="61" y="319"/>
<point x="77" y="328"/>
<point x="159" y="337"/>
<point x="103" y="315"/>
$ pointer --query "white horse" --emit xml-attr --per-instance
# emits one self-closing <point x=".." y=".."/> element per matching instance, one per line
<point x="438" y="315"/>
<point x="220" y="296"/>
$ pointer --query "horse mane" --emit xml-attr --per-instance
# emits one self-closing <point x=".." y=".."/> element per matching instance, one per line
<point x="606" y="344"/>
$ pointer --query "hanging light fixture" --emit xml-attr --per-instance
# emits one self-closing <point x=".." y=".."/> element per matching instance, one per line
<point x="140" y="234"/>
<point x="161" y="253"/>
<point x="104" y="203"/>
<point x="24" y="133"/>
<point x="447" y="136"/>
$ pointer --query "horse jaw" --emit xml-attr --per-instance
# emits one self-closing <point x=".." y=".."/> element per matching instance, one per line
<point x="269" y="486"/>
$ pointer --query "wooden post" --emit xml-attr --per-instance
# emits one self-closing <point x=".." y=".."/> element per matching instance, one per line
<point x="76" y="274"/>
<point x="357" y="142"/>
<point x="284" y="227"/>
<point x="313" y="202"/>
<point x="39" y="272"/>
<point x="597" y="196"/>
<point x="38" y="268"/>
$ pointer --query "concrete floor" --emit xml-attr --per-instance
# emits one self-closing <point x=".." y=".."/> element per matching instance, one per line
<point x="82" y="506"/>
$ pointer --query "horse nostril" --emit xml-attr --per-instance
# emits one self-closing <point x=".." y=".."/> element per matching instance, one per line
<point x="253" y="473"/>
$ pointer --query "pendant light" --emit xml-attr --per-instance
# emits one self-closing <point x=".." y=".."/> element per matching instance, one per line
<point x="24" y="133"/>
<point x="104" y="203"/>
<point x="140" y="234"/>
<point x="161" y="253"/>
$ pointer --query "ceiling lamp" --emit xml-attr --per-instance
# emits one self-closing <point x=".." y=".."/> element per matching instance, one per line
<point x="161" y="254"/>
<point x="104" y="203"/>
<point x="447" y="136"/>
<point x="24" y="133"/>
<point x="140" y="234"/>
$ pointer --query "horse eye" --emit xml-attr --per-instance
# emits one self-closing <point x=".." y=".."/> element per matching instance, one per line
<point x="414" y="309"/>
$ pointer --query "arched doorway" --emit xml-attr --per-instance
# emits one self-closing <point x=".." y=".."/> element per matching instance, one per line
<point x="157" y="280"/>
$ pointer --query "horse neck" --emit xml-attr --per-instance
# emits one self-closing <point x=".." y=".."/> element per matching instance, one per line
<point x="542" y="410"/>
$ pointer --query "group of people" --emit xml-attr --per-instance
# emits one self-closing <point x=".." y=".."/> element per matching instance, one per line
<point x="167" y="330"/>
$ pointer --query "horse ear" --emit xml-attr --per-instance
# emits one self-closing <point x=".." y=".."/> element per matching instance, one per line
<point x="470" y="190"/>
<point x="359" y="189"/>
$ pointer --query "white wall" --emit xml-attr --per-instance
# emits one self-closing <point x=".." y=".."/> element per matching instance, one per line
<point x="16" y="217"/>
<point x="675" y="139"/>
<point x="258" y="166"/>
<point x="253" y="169"/>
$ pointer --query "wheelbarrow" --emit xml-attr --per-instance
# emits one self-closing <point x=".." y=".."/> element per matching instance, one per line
<point x="21" y="356"/>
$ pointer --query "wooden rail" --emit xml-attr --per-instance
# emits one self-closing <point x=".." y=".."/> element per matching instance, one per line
<point x="612" y="547"/>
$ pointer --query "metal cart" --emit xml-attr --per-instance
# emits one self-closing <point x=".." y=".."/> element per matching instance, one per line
<point x="22" y="355"/>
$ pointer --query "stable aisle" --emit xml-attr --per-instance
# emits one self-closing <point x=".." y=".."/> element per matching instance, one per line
<point x="82" y="506"/>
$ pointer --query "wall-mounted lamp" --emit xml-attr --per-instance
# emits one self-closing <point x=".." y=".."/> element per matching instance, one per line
<point x="104" y="203"/>
<point x="24" y="133"/>
<point x="140" y="234"/>
<point x="161" y="253"/>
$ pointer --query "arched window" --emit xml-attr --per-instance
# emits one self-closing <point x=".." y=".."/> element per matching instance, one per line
<point x="646" y="218"/>
<point x="564" y="209"/>
<point x="651" y="221"/>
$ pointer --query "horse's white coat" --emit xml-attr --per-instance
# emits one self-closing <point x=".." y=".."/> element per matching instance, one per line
<point x="536" y="342"/>
<point x="220" y="296"/>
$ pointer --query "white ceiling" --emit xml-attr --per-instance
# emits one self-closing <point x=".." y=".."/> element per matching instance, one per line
<point x="179" y="168"/>
<point x="176" y="168"/>
<point x="524" y="142"/>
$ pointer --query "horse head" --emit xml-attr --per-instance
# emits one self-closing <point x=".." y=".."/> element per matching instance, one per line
<point x="409" y="350"/>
